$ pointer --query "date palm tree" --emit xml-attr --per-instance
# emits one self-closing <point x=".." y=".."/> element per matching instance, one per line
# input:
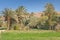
<point x="21" y="12"/>
<point x="50" y="12"/>
<point x="8" y="13"/>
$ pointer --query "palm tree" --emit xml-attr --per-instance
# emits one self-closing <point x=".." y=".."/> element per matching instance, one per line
<point x="50" y="12"/>
<point x="8" y="13"/>
<point x="21" y="12"/>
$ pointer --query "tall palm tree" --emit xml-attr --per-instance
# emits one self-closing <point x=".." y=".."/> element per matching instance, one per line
<point x="8" y="13"/>
<point x="50" y="12"/>
<point x="20" y="11"/>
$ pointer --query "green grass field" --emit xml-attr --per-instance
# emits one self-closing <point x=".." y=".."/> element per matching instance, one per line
<point x="30" y="35"/>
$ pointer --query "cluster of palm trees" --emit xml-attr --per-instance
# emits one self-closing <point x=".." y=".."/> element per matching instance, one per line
<point x="20" y="18"/>
<point x="14" y="16"/>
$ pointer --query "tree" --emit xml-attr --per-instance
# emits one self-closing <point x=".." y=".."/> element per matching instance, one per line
<point x="21" y="13"/>
<point x="33" y="22"/>
<point x="8" y="13"/>
<point x="41" y="22"/>
<point x="50" y="12"/>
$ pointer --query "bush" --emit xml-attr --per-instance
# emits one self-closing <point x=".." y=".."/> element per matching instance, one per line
<point x="1" y="28"/>
<point x="15" y="26"/>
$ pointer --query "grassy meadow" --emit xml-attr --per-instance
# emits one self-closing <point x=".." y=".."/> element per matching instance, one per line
<point x="30" y="35"/>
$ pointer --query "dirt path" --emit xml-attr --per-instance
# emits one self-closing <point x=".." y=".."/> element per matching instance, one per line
<point x="2" y="31"/>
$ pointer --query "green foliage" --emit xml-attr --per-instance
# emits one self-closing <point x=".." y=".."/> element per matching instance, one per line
<point x="25" y="21"/>
<point x="33" y="21"/>
<point x="50" y="12"/>
<point x="15" y="27"/>
<point x="20" y="18"/>
<point x="58" y="18"/>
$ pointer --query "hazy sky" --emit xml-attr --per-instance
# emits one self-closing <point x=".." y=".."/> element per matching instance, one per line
<point x="31" y="5"/>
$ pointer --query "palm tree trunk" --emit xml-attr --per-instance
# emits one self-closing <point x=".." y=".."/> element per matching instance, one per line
<point x="8" y="23"/>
